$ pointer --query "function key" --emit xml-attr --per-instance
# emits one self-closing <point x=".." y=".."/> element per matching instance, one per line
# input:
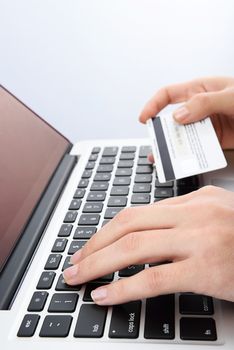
<point x="93" y="157"/>
<point x="28" y="325"/>
<point x="96" y="150"/>
<point x="140" y="199"/>
<point x="86" y="174"/>
<point x="127" y="156"/>
<point x="164" y="184"/>
<point x="53" y="262"/>
<point x="128" y="149"/>
<point x="90" y="165"/>
<point x="123" y="172"/>
<point x="91" y="321"/>
<point x="79" y="193"/>
<point x="198" y="329"/>
<point x="63" y="302"/>
<point x="65" y="230"/>
<point x="83" y="232"/>
<point x="144" y="151"/>
<point x="46" y="280"/>
<point x="144" y="169"/>
<point x="195" y="304"/>
<point x="125" y="320"/>
<point x="96" y="197"/>
<point x="75" y="204"/>
<point x="99" y="186"/>
<point x="93" y="207"/>
<point x="107" y="160"/>
<point x="110" y="151"/>
<point x="160" y="317"/>
<point x="125" y="164"/>
<point x="67" y="263"/>
<point x="163" y="192"/>
<point x="143" y="161"/>
<point x="142" y="188"/>
<point x="122" y="181"/>
<point x="70" y="216"/>
<point x="56" y="326"/>
<point x="117" y="201"/>
<point x="89" y="219"/>
<point x="119" y="191"/>
<point x="144" y="178"/>
<point x="59" y="245"/>
<point x="105" y="169"/>
<point x="191" y="181"/>
<point x="63" y="286"/>
<point x="83" y="183"/>
<point x="75" y="246"/>
<point x="111" y="212"/>
<point x="102" y="177"/>
<point x="38" y="301"/>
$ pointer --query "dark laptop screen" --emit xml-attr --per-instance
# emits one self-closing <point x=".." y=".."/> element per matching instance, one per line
<point x="30" y="151"/>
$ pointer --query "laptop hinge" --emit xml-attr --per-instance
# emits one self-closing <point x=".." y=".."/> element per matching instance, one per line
<point x="20" y="258"/>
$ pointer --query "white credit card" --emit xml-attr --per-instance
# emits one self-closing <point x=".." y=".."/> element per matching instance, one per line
<point x="184" y="150"/>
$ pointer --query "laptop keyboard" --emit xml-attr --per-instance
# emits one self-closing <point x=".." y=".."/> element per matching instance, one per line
<point x="113" y="178"/>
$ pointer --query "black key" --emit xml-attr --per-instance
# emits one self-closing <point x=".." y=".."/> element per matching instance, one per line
<point x="163" y="192"/>
<point x="107" y="160"/>
<point x="128" y="149"/>
<point x="38" y="301"/>
<point x="83" y="183"/>
<point x="105" y="169"/>
<point x="125" y="320"/>
<point x="86" y="174"/>
<point x="122" y="181"/>
<point x="144" y="151"/>
<point x="28" y="325"/>
<point x="93" y="207"/>
<point x="63" y="302"/>
<point x="144" y="178"/>
<point x="90" y="165"/>
<point x="75" y="204"/>
<point x="62" y="286"/>
<point x="65" y="230"/>
<point x="164" y="184"/>
<point x="105" y="222"/>
<point x="131" y="270"/>
<point x="84" y="232"/>
<point x="46" y="280"/>
<point x="96" y="197"/>
<point x="198" y="329"/>
<point x="96" y="150"/>
<point x="75" y="246"/>
<point x="70" y="216"/>
<point x="140" y="199"/>
<point x="89" y="288"/>
<point x="59" y="245"/>
<point x="67" y="263"/>
<point x="53" y="262"/>
<point x="111" y="212"/>
<point x="99" y="186"/>
<point x="195" y="304"/>
<point x="89" y="219"/>
<point x="56" y="326"/>
<point x="184" y="190"/>
<point x="125" y="164"/>
<point x="119" y="191"/>
<point x="123" y="172"/>
<point x="143" y="161"/>
<point x="110" y="151"/>
<point x="117" y="202"/>
<point x="127" y="156"/>
<point x="191" y="181"/>
<point x="144" y="169"/>
<point x="102" y="177"/>
<point x="160" y="317"/>
<point x="106" y="278"/>
<point x="93" y="157"/>
<point x="80" y="192"/>
<point x="91" y="321"/>
<point x="142" y="188"/>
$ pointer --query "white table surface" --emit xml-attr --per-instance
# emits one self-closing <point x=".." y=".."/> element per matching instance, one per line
<point x="89" y="66"/>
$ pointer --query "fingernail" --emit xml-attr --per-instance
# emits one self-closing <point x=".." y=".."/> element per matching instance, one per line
<point x="70" y="273"/>
<point x="99" y="294"/>
<point x="76" y="257"/>
<point x="181" y="114"/>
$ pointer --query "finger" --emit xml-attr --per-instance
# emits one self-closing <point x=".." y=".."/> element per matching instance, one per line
<point x="170" y="94"/>
<point x="154" y="281"/>
<point x="150" y="158"/>
<point x="205" y="104"/>
<point x="134" y="248"/>
<point x="130" y="220"/>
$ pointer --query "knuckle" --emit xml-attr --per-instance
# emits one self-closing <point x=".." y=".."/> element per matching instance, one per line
<point x="202" y="99"/>
<point x="131" y="242"/>
<point x="155" y="280"/>
<point x="125" y="217"/>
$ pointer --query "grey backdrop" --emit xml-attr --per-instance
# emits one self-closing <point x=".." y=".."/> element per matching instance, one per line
<point x="89" y="66"/>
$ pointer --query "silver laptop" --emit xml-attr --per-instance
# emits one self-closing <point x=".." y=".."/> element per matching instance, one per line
<point x="53" y="197"/>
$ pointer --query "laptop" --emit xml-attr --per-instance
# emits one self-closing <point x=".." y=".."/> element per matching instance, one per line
<point x="53" y="197"/>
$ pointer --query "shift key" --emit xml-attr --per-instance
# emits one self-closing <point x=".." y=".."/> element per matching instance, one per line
<point x="125" y="320"/>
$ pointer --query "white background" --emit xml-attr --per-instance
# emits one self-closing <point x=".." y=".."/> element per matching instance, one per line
<point x="89" y="66"/>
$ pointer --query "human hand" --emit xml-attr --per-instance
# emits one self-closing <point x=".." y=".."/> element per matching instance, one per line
<point x="195" y="232"/>
<point x="202" y="97"/>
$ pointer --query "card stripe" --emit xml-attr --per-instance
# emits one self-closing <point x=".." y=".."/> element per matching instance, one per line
<point x="163" y="150"/>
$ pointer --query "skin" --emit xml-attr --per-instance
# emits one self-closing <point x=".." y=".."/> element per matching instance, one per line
<point x="195" y="231"/>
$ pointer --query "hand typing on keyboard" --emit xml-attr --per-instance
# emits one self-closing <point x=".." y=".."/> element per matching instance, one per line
<point x="195" y="232"/>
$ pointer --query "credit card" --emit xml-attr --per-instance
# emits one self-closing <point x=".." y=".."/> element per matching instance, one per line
<point x="184" y="150"/>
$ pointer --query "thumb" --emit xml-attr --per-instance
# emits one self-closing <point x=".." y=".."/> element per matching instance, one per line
<point x="203" y="104"/>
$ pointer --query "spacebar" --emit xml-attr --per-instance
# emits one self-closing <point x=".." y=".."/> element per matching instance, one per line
<point x="160" y="317"/>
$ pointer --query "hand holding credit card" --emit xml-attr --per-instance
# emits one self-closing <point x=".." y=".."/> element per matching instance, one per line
<point x="184" y="150"/>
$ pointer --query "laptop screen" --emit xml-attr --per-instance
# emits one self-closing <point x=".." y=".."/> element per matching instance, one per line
<point x="30" y="151"/>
